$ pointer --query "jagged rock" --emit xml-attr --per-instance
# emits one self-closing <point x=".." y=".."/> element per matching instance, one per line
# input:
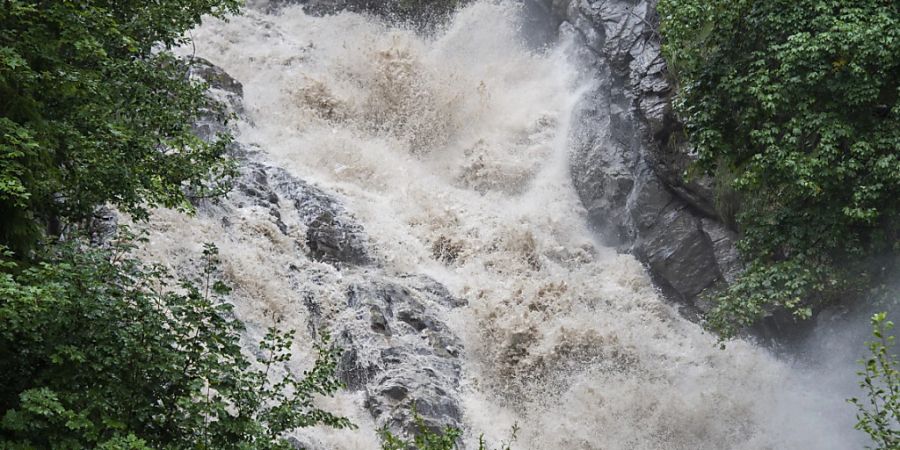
<point x="401" y="352"/>
<point x="332" y="234"/>
<point x="224" y="91"/>
<point x="305" y="443"/>
<point x="629" y="159"/>
<point x="331" y="240"/>
<point x="215" y="76"/>
<point x="437" y="290"/>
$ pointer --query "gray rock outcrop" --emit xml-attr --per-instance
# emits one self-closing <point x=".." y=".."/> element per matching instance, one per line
<point x="403" y="355"/>
<point x="629" y="159"/>
<point x="396" y="347"/>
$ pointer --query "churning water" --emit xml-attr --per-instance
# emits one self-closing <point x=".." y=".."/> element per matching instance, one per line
<point x="451" y="150"/>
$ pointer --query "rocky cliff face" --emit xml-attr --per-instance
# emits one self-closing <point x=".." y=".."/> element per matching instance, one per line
<point x="421" y="12"/>
<point x="628" y="160"/>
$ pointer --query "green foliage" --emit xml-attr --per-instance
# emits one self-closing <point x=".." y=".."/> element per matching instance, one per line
<point x="798" y="100"/>
<point x="95" y="110"/>
<point x="427" y="439"/>
<point x="879" y="417"/>
<point x="100" y="351"/>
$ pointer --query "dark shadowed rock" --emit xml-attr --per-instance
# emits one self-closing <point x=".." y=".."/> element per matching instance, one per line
<point x="225" y="94"/>
<point x="215" y="76"/>
<point x="420" y="12"/>
<point x="331" y="240"/>
<point x="102" y="226"/>
<point x="630" y="158"/>
<point x="305" y="443"/>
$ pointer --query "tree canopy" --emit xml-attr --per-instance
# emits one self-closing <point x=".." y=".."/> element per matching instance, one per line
<point x="96" y="110"/>
<point x="98" y="350"/>
<point x="795" y="104"/>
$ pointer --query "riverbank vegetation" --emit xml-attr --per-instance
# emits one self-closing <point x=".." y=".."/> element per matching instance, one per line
<point x="97" y="349"/>
<point x="798" y="102"/>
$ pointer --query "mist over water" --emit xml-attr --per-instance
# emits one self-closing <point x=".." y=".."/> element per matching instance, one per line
<point x="451" y="150"/>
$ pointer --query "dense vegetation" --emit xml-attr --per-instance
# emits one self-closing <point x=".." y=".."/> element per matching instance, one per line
<point x="99" y="351"/>
<point x="793" y="105"/>
<point x="96" y="110"/>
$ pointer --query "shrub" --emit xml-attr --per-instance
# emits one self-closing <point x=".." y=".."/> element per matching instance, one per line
<point x="99" y="350"/>
<point x="95" y="110"/>
<point x="427" y="439"/>
<point x="798" y="99"/>
<point x="879" y="416"/>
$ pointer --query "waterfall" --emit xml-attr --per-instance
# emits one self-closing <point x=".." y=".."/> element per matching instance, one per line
<point x="449" y="152"/>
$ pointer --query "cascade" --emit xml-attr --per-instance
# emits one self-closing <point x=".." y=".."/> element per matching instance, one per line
<point x="412" y="194"/>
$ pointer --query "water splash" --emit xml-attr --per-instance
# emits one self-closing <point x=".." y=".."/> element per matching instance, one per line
<point x="451" y="150"/>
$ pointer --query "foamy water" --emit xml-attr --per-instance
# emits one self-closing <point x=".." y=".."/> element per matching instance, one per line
<point x="451" y="150"/>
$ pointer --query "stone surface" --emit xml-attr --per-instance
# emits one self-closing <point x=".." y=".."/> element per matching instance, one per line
<point x="224" y="91"/>
<point x="629" y="156"/>
<point x="403" y="355"/>
<point x="305" y="443"/>
<point x="332" y="235"/>
<point x="103" y="226"/>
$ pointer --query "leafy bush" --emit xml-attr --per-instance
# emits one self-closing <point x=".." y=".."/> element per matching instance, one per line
<point x="799" y="100"/>
<point x="96" y="110"/>
<point x="98" y="350"/>
<point x="879" y="417"/>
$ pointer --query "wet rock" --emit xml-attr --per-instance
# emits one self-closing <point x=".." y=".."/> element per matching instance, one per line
<point x="215" y="76"/>
<point x="331" y="240"/>
<point x="630" y="156"/>
<point x="305" y="443"/>
<point x="402" y="353"/>
<point x="332" y="234"/>
<point x="437" y="291"/>
<point x="419" y="12"/>
<point x="225" y="95"/>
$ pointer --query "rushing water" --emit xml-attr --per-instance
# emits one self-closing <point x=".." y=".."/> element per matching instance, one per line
<point x="456" y="145"/>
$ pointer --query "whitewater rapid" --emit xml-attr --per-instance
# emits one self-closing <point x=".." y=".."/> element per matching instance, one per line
<point x="451" y="150"/>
